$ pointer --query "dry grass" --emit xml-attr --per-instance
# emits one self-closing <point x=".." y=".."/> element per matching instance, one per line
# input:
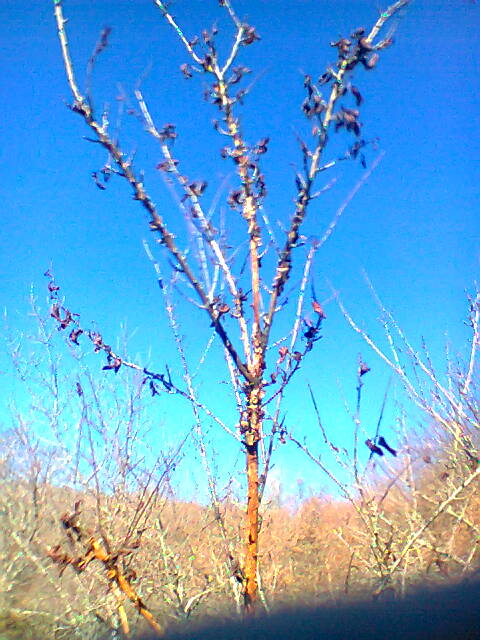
<point x="322" y="552"/>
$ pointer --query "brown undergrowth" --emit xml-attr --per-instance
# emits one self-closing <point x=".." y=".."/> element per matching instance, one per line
<point x="315" y="552"/>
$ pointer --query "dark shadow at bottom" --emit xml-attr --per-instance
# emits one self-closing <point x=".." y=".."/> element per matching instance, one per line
<point x="451" y="613"/>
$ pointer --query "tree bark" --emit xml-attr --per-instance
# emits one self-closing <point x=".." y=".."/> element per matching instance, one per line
<point x="252" y="437"/>
<point x="251" y="559"/>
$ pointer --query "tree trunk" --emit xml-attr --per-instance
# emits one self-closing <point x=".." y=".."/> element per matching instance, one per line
<point x="251" y="559"/>
<point x="252" y="437"/>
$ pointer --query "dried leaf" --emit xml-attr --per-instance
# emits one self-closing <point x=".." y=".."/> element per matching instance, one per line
<point x="186" y="69"/>
<point x="373" y="447"/>
<point x="249" y="35"/>
<point x="317" y="307"/>
<point x="357" y="95"/>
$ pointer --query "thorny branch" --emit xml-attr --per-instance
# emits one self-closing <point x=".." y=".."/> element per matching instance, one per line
<point x="215" y="502"/>
<point x="253" y="187"/>
<point x="157" y="223"/>
<point x="193" y="191"/>
<point x="65" y="319"/>
<point x="454" y="406"/>
<point x="474" y="322"/>
<point x="93" y="549"/>
<point x="439" y="510"/>
<point x="349" y="56"/>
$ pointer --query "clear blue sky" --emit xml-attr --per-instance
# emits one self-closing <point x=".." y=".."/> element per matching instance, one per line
<point x="414" y="227"/>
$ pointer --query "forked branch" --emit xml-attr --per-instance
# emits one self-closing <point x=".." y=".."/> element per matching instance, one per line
<point x="125" y="169"/>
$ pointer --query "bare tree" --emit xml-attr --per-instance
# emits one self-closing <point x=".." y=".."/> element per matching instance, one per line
<point x="221" y="286"/>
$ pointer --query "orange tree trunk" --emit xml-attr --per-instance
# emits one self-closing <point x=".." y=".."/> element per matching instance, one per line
<point x="252" y="437"/>
<point x="251" y="559"/>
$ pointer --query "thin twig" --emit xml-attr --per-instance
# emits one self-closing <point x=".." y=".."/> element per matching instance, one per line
<point x="140" y="194"/>
<point x="440" y="509"/>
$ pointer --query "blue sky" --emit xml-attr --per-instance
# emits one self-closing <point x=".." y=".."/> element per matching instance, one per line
<point x="414" y="227"/>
